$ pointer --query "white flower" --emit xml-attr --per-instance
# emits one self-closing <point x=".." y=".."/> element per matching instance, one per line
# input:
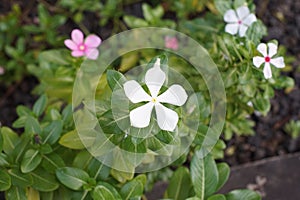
<point x="167" y="119"/>
<point x="238" y="20"/>
<point x="268" y="53"/>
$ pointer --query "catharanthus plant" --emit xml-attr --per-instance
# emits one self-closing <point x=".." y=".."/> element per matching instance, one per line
<point x="83" y="47"/>
<point x="268" y="52"/>
<point x="239" y="20"/>
<point x="167" y="119"/>
<point x="171" y="42"/>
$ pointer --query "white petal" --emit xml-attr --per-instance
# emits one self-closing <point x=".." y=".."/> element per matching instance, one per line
<point x="232" y="28"/>
<point x="135" y="92"/>
<point x="278" y="62"/>
<point x="175" y="95"/>
<point x="267" y="71"/>
<point x="272" y="49"/>
<point x="167" y="119"/>
<point x="249" y="20"/>
<point x="242" y="30"/>
<point x="262" y="48"/>
<point x="258" y="61"/>
<point x="155" y="78"/>
<point x="140" y="117"/>
<point x="230" y="16"/>
<point x="242" y="12"/>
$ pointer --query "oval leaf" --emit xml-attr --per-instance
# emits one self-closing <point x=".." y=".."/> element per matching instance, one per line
<point x="32" y="158"/>
<point x="104" y="191"/>
<point x="5" y="180"/>
<point x="242" y="194"/>
<point x="43" y="181"/>
<point x="73" y="178"/>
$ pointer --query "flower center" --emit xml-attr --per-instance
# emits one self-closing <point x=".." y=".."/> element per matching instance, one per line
<point x="267" y="59"/>
<point x="153" y="100"/>
<point x="240" y="22"/>
<point x="81" y="47"/>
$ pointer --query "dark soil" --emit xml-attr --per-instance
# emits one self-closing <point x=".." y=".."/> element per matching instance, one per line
<point x="283" y="21"/>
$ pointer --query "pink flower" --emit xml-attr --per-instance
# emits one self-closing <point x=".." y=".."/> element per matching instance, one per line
<point x="171" y="42"/>
<point x="2" y="71"/>
<point x="81" y="47"/>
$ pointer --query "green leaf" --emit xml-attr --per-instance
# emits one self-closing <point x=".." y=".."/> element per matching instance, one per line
<point x="32" y="158"/>
<point x="21" y="147"/>
<point x="16" y="193"/>
<point x="217" y="197"/>
<point x="134" y="22"/>
<point x="204" y="174"/>
<point x="104" y="191"/>
<point x="180" y="185"/>
<point x="55" y="56"/>
<point x="133" y="188"/>
<point x="1" y="141"/>
<point x="122" y="177"/>
<point x="222" y="6"/>
<point x="71" y="140"/>
<point x="52" y="162"/>
<point x="114" y="79"/>
<point x="256" y="32"/>
<point x="20" y="179"/>
<point x="151" y="15"/>
<point x="224" y="171"/>
<point x="52" y="132"/>
<point x="5" y="180"/>
<point x="43" y="181"/>
<point x="32" y="126"/>
<point x="73" y="178"/>
<point x="3" y="160"/>
<point x="40" y="105"/>
<point x="242" y="194"/>
<point x="10" y="139"/>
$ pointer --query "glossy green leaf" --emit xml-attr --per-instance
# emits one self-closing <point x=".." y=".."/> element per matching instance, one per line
<point x="3" y="160"/>
<point x="52" y="162"/>
<point x="32" y="126"/>
<point x="242" y="194"/>
<point x="224" y="171"/>
<point x="115" y="78"/>
<point x="217" y="197"/>
<point x="71" y="140"/>
<point x="40" y="105"/>
<point x="43" y="181"/>
<point x="5" y="180"/>
<point x="10" y="139"/>
<point x="180" y="185"/>
<point x="32" y="158"/>
<point x="20" y="179"/>
<point x="16" y="193"/>
<point x="73" y="178"/>
<point x="122" y="177"/>
<point x="21" y="147"/>
<point x="104" y="191"/>
<point x="204" y="174"/>
<point x="133" y="188"/>
<point x="52" y="132"/>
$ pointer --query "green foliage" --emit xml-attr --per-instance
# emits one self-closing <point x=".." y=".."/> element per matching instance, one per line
<point x="293" y="128"/>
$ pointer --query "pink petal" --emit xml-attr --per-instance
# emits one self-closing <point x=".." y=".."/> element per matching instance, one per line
<point x="77" y="36"/>
<point x="77" y="53"/>
<point x="70" y="44"/>
<point x="92" y="53"/>
<point x="92" y="41"/>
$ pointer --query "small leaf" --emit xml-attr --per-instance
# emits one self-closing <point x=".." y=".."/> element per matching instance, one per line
<point x="134" y="22"/>
<point x="52" y="132"/>
<point x="217" y="197"/>
<point x="242" y="194"/>
<point x="16" y="193"/>
<point x="20" y="179"/>
<point x="43" y="181"/>
<point x="224" y="171"/>
<point x="32" y="158"/>
<point x="32" y="126"/>
<point x="180" y="185"/>
<point x="104" y="191"/>
<point x="114" y="79"/>
<point x="73" y="178"/>
<point x="52" y="162"/>
<point x="10" y="139"/>
<point x="71" y="140"/>
<point x="40" y="105"/>
<point x="5" y="180"/>
<point x="55" y="56"/>
<point x="133" y="188"/>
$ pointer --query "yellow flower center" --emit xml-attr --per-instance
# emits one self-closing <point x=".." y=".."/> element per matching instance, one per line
<point x="81" y="47"/>
<point x="154" y="100"/>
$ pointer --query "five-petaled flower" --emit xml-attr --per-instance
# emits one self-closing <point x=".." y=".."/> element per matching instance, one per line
<point x="81" y="47"/>
<point x="167" y="119"/>
<point x="171" y="42"/>
<point x="268" y="53"/>
<point x="238" y="20"/>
